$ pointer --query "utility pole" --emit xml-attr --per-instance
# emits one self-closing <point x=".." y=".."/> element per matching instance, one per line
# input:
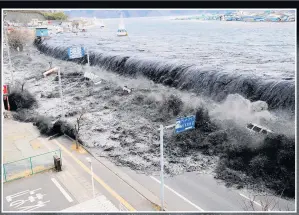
<point x="182" y="124"/>
<point x="88" y="62"/>
<point x="6" y="45"/>
<point x="61" y="95"/>
<point x="92" y="183"/>
<point x="162" y="161"/>
<point x="162" y="166"/>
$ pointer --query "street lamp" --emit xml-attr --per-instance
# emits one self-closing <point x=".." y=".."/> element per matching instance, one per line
<point x="89" y="161"/>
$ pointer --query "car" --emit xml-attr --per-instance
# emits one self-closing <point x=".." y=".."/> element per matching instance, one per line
<point x="258" y="128"/>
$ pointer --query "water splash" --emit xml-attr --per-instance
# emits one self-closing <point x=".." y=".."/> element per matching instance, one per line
<point x="217" y="84"/>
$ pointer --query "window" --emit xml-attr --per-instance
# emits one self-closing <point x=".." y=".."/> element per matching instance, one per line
<point x="264" y="131"/>
<point x="257" y="129"/>
<point x="250" y="126"/>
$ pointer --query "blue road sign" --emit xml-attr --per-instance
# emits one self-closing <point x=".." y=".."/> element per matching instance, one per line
<point x="75" y="52"/>
<point x="183" y="124"/>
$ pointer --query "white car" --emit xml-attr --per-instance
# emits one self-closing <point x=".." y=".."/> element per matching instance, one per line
<point x="258" y="129"/>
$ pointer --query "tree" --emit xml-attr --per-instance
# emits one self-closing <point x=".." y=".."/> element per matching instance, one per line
<point x="55" y="15"/>
<point x="78" y="126"/>
<point x="267" y="202"/>
<point x="75" y="24"/>
<point x="18" y="38"/>
<point x="23" y="80"/>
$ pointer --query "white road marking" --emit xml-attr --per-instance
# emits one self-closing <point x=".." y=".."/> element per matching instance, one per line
<point x="66" y="195"/>
<point x="179" y="195"/>
<point x="252" y="200"/>
<point x="9" y="198"/>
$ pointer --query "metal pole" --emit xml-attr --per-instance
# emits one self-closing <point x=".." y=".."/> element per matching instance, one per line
<point x="92" y="181"/>
<point x="61" y="96"/>
<point x="88" y="62"/>
<point x="4" y="171"/>
<point x="31" y="166"/>
<point x="8" y="52"/>
<point x="162" y="166"/>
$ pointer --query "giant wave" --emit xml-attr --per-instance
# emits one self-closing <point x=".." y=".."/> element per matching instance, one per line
<point x="279" y="94"/>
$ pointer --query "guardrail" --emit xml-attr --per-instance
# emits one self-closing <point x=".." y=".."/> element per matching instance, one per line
<point x="29" y="166"/>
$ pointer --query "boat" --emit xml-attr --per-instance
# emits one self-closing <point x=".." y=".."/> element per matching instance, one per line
<point x="121" y="28"/>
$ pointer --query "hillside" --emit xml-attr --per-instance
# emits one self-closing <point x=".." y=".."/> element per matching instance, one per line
<point x="133" y="13"/>
<point x="23" y="16"/>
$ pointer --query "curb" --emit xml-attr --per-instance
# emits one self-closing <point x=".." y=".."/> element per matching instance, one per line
<point x="128" y="180"/>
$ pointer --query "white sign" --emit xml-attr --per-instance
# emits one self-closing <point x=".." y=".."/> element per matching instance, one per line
<point x="33" y="201"/>
<point x="90" y="75"/>
<point x="75" y="52"/>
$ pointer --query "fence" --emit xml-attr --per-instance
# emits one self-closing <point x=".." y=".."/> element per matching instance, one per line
<point x="29" y="166"/>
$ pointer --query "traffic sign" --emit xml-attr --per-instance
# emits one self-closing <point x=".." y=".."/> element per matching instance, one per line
<point x="183" y="124"/>
<point x="75" y="52"/>
<point x="5" y="90"/>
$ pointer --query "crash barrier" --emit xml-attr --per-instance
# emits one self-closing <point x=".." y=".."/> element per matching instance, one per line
<point x="31" y="165"/>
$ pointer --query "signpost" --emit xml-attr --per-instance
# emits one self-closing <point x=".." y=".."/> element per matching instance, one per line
<point x="182" y="124"/>
<point x="78" y="52"/>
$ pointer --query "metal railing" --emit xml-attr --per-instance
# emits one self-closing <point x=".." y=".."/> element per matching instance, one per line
<point x="29" y="166"/>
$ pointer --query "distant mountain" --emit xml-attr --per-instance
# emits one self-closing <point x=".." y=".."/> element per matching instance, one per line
<point x="136" y="13"/>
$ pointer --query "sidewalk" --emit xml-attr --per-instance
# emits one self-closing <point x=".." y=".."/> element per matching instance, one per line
<point x="100" y="203"/>
<point x="113" y="187"/>
<point x="22" y="140"/>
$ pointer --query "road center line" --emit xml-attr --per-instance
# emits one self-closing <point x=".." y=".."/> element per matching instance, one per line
<point x="66" y="195"/>
<point x="97" y="178"/>
<point x="179" y="195"/>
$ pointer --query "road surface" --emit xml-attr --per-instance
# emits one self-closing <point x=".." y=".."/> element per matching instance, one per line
<point x="124" y="188"/>
<point x="29" y="194"/>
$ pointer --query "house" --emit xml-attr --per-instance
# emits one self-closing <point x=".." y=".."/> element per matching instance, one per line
<point x="34" y="22"/>
<point x="41" y="32"/>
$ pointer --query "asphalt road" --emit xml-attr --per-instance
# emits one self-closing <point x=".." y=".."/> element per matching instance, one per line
<point x="208" y="193"/>
<point x="39" y="192"/>
<point x="201" y="192"/>
<point x="122" y="195"/>
<point x="188" y="192"/>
